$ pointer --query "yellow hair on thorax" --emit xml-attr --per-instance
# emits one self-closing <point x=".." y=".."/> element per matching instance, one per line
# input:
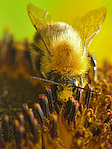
<point x="67" y="55"/>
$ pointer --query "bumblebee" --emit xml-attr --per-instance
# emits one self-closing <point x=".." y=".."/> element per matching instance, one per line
<point x="59" y="51"/>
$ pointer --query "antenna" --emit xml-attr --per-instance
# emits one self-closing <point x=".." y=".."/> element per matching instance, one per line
<point x="49" y="81"/>
<point x="41" y="79"/>
<point x="86" y="89"/>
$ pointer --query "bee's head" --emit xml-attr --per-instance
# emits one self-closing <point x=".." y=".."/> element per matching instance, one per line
<point x="64" y="87"/>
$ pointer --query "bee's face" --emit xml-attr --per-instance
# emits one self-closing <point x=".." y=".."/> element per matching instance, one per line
<point x="66" y="80"/>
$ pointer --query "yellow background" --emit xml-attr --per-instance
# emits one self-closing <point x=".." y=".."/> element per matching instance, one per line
<point x="13" y="14"/>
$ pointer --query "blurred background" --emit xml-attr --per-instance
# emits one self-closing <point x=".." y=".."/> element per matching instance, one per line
<point x="13" y="16"/>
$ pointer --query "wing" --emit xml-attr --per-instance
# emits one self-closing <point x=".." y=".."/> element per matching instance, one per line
<point x="38" y="16"/>
<point x="89" y="25"/>
<point x="39" y="19"/>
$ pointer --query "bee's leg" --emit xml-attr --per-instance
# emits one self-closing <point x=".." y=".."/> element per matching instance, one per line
<point x="92" y="73"/>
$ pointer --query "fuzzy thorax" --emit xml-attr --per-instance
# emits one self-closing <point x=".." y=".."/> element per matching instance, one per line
<point x="67" y="55"/>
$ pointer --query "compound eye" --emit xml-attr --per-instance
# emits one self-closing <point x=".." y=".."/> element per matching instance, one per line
<point x="75" y="82"/>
